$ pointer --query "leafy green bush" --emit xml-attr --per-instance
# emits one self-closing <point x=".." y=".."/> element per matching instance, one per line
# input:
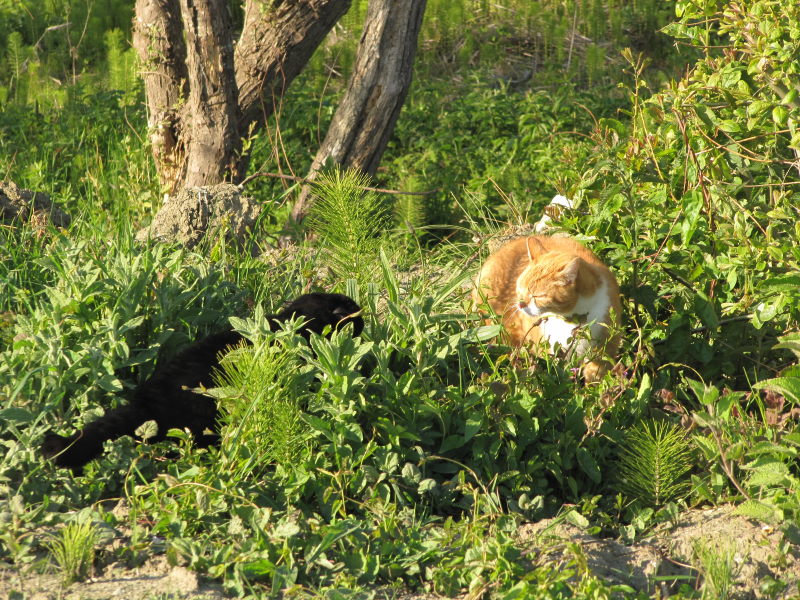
<point x="692" y="203"/>
<point x="751" y="443"/>
<point x="96" y="325"/>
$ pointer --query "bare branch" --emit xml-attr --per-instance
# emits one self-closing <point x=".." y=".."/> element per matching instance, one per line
<point x="303" y="180"/>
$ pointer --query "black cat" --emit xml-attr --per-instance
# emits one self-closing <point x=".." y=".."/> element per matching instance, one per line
<point x="167" y="397"/>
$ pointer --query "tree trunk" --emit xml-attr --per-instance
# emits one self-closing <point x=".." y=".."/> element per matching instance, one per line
<point x="201" y="95"/>
<point x="277" y="41"/>
<point x="158" y="40"/>
<point x="210" y="117"/>
<point x="366" y="115"/>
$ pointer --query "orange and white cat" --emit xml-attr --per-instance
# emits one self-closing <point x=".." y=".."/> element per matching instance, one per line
<point x="546" y="289"/>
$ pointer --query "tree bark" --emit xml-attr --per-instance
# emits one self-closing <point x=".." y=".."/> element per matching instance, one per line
<point x="277" y="41"/>
<point x="210" y="117"/>
<point x="158" y="40"/>
<point x="378" y="86"/>
<point x="202" y="95"/>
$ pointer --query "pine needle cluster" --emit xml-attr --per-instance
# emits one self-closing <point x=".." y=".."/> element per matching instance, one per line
<point x="261" y="396"/>
<point x="351" y="222"/>
<point x="655" y="462"/>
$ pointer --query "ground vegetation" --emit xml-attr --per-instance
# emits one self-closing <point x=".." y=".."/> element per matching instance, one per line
<point x="414" y="459"/>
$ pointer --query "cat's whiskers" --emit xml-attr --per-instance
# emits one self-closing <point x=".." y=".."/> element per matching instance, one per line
<point x="346" y="319"/>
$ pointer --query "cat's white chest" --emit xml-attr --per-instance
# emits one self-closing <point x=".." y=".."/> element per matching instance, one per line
<point x="556" y="331"/>
<point x="594" y="309"/>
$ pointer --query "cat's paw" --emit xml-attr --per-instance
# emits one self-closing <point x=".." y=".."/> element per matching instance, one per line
<point x="593" y="371"/>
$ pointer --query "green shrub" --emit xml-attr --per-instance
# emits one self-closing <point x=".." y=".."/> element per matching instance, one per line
<point x="691" y="202"/>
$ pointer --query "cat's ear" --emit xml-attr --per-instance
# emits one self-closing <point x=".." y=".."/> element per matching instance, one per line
<point x="538" y="247"/>
<point x="569" y="273"/>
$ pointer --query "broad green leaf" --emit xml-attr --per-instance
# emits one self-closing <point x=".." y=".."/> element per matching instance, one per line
<point x="692" y="203"/>
<point x="451" y="442"/>
<point x="614" y="125"/>
<point x="758" y="107"/>
<point x="589" y="465"/>
<point x="259" y="568"/>
<point x="286" y="529"/>
<point x="147" y="430"/>
<point x="790" y="342"/>
<point x="704" y="309"/>
<point x="110" y="383"/>
<point x="472" y="426"/>
<point x="760" y="511"/>
<point x="780" y="115"/>
<point x="426" y="485"/>
<point x="730" y="126"/>
<point x="411" y="473"/>
<point x="767" y="447"/>
<point x="792" y="438"/>
<point x="132" y="324"/>
<point x="765" y="312"/>
<point x="520" y="591"/>
<point x="789" y="387"/>
<point x="706" y="115"/>
<point x="769" y="474"/>
<point x="707" y="394"/>
<point x="577" y="519"/>
<point x="19" y="415"/>
<point x="789" y="282"/>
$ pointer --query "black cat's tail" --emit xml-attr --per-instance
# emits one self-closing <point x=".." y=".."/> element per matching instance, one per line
<point x="76" y="450"/>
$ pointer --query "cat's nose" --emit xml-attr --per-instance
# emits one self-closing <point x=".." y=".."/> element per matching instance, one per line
<point x="522" y="304"/>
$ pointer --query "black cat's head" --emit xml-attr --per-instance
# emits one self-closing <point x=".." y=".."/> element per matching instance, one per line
<point x="320" y="310"/>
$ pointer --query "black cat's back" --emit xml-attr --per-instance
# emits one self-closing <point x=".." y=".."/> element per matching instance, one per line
<point x="169" y="397"/>
<point x="194" y="365"/>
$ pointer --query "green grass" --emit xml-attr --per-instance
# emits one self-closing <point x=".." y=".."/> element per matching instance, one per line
<point x="408" y="457"/>
<point x="73" y="551"/>
<point x="717" y="564"/>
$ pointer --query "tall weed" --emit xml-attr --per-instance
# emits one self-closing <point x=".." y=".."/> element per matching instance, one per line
<point x="352" y="223"/>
